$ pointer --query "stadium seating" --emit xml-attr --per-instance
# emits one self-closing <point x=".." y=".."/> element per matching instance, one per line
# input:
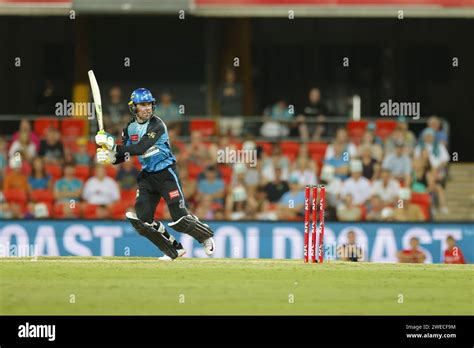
<point x="82" y="172"/>
<point x="73" y="127"/>
<point x="118" y="210"/>
<point x="42" y="124"/>
<point x="226" y="173"/>
<point x="205" y="126"/>
<point x="60" y="208"/>
<point x="89" y="211"/>
<point x="194" y="170"/>
<point x="128" y="196"/>
<point x="45" y="196"/>
<point x="290" y="149"/>
<point x="16" y="196"/>
<point x="356" y="130"/>
<point x="266" y="146"/>
<point x="384" y="128"/>
<point x="54" y="170"/>
<point x="423" y="200"/>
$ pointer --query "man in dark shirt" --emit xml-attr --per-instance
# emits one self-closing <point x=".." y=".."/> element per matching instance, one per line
<point x="230" y="104"/>
<point x="51" y="148"/>
<point x="351" y="251"/>
<point x="315" y="112"/>
<point x="277" y="188"/>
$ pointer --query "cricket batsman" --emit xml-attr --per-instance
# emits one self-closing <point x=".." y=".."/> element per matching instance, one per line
<point x="146" y="136"/>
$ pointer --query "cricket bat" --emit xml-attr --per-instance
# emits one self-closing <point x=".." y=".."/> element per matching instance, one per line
<point x="97" y="102"/>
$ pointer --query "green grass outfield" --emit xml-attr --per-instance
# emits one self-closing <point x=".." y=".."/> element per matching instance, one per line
<point x="147" y="286"/>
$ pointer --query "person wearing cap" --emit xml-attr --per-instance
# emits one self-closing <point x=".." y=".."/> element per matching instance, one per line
<point x="291" y="203"/>
<point x="357" y="186"/>
<point x="399" y="163"/>
<point x="405" y="210"/>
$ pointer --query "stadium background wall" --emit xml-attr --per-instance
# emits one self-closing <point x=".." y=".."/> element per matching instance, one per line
<point x="233" y="240"/>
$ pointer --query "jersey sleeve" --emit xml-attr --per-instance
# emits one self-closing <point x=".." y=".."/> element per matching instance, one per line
<point x="120" y="157"/>
<point x="154" y="131"/>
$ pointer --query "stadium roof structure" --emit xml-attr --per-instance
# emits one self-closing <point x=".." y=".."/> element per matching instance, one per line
<point x="247" y="8"/>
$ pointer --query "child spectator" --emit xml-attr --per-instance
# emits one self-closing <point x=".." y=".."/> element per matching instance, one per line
<point x="413" y="254"/>
<point x="68" y="188"/>
<point x="453" y="253"/>
<point x="211" y="185"/>
<point x="81" y="156"/>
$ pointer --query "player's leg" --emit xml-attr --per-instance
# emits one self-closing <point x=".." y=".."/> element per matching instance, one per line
<point x="143" y="220"/>
<point x="183" y="220"/>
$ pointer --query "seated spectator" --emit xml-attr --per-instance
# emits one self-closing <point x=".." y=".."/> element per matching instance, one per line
<point x="453" y="253"/>
<point x="438" y="159"/>
<point x="342" y="138"/>
<point x="211" y="185"/>
<point x="304" y="170"/>
<point x="223" y="143"/>
<point x="102" y="212"/>
<point x="399" y="164"/>
<point x="413" y="254"/>
<point x="369" y="140"/>
<point x="375" y="208"/>
<point x="347" y="211"/>
<point x="38" y="178"/>
<point x="15" y="179"/>
<point x="115" y="107"/>
<point x="277" y="188"/>
<point x="101" y="189"/>
<point x="277" y="120"/>
<point x="127" y="176"/>
<point x="277" y="159"/>
<point x="24" y="147"/>
<point x="81" y="156"/>
<point x="401" y="134"/>
<point x="422" y="179"/>
<point x="52" y="148"/>
<point x="435" y="124"/>
<point x="230" y="105"/>
<point x="204" y="209"/>
<point x="405" y="210"/>
<point x="237" y="202"/>
<point x="340" y="162"/>
<point x="69" y="157"/>
<point x="25" y="126"/>
<point x="3" y="156"/>
<point x="386" y="188"/>
<point x="370" y="166"/>
<point x="291" y="204"/>
<point x="167" y="110"/>
<point x="197" y="151"/>
<point x="357" y="186"/>
<point x="350" y="251"/>
<point x="68" y="188"/>
<point x="333" y="186"/>
<point x="259" y="206"/>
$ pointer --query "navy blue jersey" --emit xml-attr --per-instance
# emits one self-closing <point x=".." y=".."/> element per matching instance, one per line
<point x="149" y="141"/>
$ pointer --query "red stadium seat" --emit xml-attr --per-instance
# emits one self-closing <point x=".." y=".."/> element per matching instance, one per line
<point x="384" y="128"/>
<point x="267" y="147"/>
<point x="16" y="196"/>
<point x="44" y="196"/>
<point x="89" y="211"/>
<point x="60" y="207"/>
<point x="73" y="127"/>
<point x="91" y="148"/>
<point x="226" y="173"/>
<point x="128" y="196"/>
<point x="205" y="126"/>
<point x="290" y="149"/>
<point x="194" y="170"/>
<point x="82" y="172"/>
<point x="356" y="130"/>
<point x="317" y="148"/>
<point x="118" y="210"/>
<point x="423" y="200"/>
<point x="42" y="124"/>
<point x="54" y="170"/>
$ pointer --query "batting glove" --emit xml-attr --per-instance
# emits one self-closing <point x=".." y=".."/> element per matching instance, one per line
<point x="105" y="139"/>
<point x="105" y="156"/>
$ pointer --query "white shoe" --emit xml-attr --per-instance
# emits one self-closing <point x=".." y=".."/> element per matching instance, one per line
<point x="181" y="252"/>
<point x="209" y="246"/>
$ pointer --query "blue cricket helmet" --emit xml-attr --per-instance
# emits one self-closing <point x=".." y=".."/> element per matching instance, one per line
<point x="140" y="95"/>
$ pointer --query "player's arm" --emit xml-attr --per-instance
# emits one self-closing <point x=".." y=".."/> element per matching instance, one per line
<point x="120" y="158"/>
<point x="154" y="131"/>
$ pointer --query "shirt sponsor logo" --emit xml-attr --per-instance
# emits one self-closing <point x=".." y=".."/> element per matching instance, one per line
<point x="151" y="151"/>
<point x="134" y="137"/>
<point x="152" y="135"/>
<point x="174" y="194"/>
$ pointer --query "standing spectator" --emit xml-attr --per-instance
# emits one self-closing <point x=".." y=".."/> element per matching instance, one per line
<point x="370" y="166"/>
<point x="406" y="211"/>
<point x="386" y="188"/>
<point x="24" y="147"/>
<point x="351" y="251"/>
<point x="101" y="189"/>
<point x="230" y="104"/>
<point x="52" y="148"/>
<point x="435" y="124"/>
<point x="276" y="188"/>
<point x="68" y="188"/>
<point x="25" y="126"/>
<point x="453" y="253"/>
<point x="315" y="111"/>
<point x="127" y="176"/>
<point x="115" y="108"/>
<point x="38" y="178"/>
<point x="15" y="179"/>
<point x="412" y="255"/>
<point x="357" y="186"/>
<point x="347" y="211"/>
<point x="291" y="204"/>
<point x="399" y="164"/>
<point x="438" y="159"/>
<point x="211" y="185"/>
<point x="339" y="161"/>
